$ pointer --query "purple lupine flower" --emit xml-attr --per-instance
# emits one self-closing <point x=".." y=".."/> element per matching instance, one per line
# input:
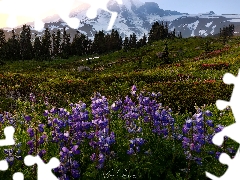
<point x="185" y="130"/>
<point x="10" y="160"/>
<point x="211" y="152"/>
<point x="32" y="97"/>
<point x="41" y="127"/>
<point x="192" y="146"/>
<point x="101" y="160"/>
<point x="210" y="123"/>
<point x="198" y="160"/>
<point x="137" y="148"/>
<point x="93" y="157"/>
<point x="65" y="150"/>
<point x="30" y="132"/>
<point x="30" y="143"/>
<point x="231" y="150"/>
<point x="189" y="123"/>
<point x="75" y="149"/>
<point x="41" y="153"/>
<point x="217" y="155"/>
<point x="28" y="118"/>
<point x="41" y="140"/>
<point x="45" y="113"/>
<point x="209" y="139"/>
<point x="53" y="110"/>
<point x="130" y="151"/>
<point x="219" y="128"/>
<point x="75" y="173"/>
<point x="134" y="88"/>
<point x="208" y="113"/>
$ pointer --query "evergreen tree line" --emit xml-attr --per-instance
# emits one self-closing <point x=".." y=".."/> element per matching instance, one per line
<point x="226" y="33"/>
<point x="57" y="45"/>
<point x="160" y="32"/>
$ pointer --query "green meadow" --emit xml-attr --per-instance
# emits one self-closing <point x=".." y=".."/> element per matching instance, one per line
<point x="191" y="79"/>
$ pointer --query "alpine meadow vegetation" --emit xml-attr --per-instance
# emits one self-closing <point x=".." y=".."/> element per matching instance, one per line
<point x="138" y="110"/>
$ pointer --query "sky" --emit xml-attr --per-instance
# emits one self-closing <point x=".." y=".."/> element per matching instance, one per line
<point x="200" y="6"/>
<point x="183" y="6"/>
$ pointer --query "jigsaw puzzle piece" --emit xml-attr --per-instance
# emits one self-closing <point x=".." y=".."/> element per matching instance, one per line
<point x="229" y="131"/>
<point x="63" y="9"/>
<point x="221" y="104"/>
<point x="18" y="176"/>
<point x="44" y="170"/>
<point x="29" y="8"/>
<point x="232" y="172"/>
<point x="3" y="165"/>
<point x="211" y="176"/>
<point x="12" y="21"/>
<point x="95" y="5"/>
<point x="229" y="78"/>
<point x="8" y="132"/>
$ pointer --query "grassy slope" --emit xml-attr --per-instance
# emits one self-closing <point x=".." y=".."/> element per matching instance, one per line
<point x="117" y="72"/>
<point x="54" y="76"/>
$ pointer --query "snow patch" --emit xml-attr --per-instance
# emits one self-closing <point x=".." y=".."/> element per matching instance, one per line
<point x="208" y="24"/>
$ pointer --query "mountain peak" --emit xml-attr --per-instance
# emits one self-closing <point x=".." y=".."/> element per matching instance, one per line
<point x="130" y="3"/>
<point x="209" y="13"/>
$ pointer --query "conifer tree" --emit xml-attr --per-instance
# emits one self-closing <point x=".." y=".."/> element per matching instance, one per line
<point x="2" y="45"/>
<point x="26" y="49"/>
<point x="110" y="43"/>
<point x="54" y="47"/>
<point x="89" y="47"/>
<point x="76" y="45"/>
<point x="46" y="45"/>
<point x="115" y="41"/>
<point x="180" y="35"/>
<point x="37" y="48"/>
<point x="13" y="48"/>
<point x="174" y="33"/>
<point x="119" y="40"/>
<point x="56" y="44"/>
<point x="165" y="35"/>
<point x="126" y="44"/>
<point x="142" y="42"/>
<point x="2" y="38"/>
<point x="133" y="41"/>
<point x="99" y="44"/>
<point x="85" y="45"/>
<point x="66" y="45"/>
<point x="154" y="32"/>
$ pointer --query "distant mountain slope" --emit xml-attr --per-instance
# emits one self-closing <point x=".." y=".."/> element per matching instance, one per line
<point x="137" y="17"/>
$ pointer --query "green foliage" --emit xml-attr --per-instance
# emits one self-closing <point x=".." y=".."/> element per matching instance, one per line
<point x="56" y="44"/>
<point x="11" y="49"/>
<point x="46" y="47"/>
<point x="37" y="48"/>
<point x="159" y="32"/>
<point x="182" y="83"/>
<point x="66" y="45"/>
<point x="26" y="49"/>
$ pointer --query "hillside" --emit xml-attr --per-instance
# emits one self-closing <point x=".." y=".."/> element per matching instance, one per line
<point x="143" y="130"/>
<point x="192" y="72"/>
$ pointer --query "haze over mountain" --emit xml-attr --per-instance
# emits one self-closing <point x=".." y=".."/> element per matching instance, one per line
<point x="137" y="17"/>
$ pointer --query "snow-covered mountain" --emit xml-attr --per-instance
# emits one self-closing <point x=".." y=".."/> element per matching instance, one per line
<point x="137" y="17"/>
